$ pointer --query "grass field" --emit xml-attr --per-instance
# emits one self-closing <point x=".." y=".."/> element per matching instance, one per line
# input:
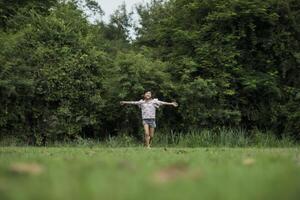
<point x="160" y="173"/>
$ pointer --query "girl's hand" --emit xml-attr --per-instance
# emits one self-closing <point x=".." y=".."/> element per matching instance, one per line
<point x="174" y="104"/>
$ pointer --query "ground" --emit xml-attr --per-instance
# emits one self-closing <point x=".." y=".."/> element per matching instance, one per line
<point x="159" y="173"/>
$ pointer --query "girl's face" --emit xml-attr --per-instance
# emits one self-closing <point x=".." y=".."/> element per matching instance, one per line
<point x="147" y="95"/>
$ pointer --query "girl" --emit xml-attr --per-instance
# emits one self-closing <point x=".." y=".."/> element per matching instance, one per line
<point x="148" y="106"/>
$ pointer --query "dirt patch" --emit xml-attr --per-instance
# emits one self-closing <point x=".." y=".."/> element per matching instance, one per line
<point x="26" y="168"/>
<point x="248" y="161"/>
<point x="174" y="172"/>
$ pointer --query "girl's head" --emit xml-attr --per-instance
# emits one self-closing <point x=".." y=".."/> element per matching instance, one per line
<point x="147" y="95"/>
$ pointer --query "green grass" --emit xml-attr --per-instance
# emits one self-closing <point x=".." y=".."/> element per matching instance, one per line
<point x="159" y="173"/>
<point x="135" y="173"/>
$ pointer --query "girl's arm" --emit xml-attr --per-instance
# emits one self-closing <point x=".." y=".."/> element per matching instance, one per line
<point x="168" y="103"/>
<point x="130" y="102"/>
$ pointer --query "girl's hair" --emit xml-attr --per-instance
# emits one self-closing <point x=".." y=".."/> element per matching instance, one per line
<point x="143" y="95"/>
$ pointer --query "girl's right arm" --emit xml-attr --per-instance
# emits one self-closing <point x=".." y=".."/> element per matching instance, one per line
<point x="130" y="102"/>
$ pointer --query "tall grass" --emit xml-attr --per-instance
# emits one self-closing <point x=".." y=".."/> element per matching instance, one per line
<point x="221" y="137"/>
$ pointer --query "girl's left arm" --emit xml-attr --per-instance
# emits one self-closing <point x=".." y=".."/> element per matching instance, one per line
<point x="168" y="103"/>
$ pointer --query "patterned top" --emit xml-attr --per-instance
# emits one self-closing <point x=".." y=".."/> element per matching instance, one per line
<point x="148" y="107"/>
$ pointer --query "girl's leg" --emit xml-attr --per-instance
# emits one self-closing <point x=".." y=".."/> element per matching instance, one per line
<point x="147" y="135"/>
<point x="151" y="133"/>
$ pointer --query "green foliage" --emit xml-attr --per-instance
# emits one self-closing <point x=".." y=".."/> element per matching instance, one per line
<point x="52" y="75"/>
<point x="229" y="59"/>
<point x="9" y="10"/>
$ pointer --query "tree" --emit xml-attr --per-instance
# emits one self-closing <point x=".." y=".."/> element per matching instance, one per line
<point x="51" y="76"/>
<point x="238" y="50"/>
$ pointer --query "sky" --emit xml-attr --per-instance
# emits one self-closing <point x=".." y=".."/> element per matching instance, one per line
<point x="109" y="6"/>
